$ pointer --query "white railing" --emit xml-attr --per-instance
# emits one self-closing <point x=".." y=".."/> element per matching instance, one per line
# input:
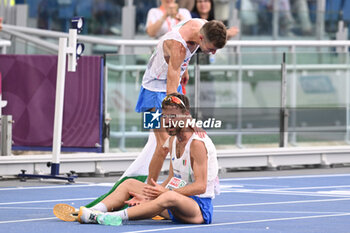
<point x="268" y="158"/>
<point x="24" y="32"/>
<point x="4" y="44"/>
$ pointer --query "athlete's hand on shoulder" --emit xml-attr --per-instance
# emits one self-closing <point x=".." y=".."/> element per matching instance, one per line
<point x="199" y="131"/>
<point x="153" y="191"/>
<point x="136" y="200"/>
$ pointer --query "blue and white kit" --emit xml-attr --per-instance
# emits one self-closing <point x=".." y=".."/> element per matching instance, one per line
<point x="154" y="82"/>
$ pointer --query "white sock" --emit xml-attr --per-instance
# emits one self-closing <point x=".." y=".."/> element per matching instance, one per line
<point x="100" y="207"/>
<point x="122" y="213"/>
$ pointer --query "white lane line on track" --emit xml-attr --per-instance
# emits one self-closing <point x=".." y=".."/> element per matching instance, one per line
<point x="277" y="212"/>
<point x="241" y="222"/>
<point x="58" y="186"/>
<point x="44" y="201"/>
<point x="24" y="208"/>
<point x="26" y="220"/>
<point x="259" y="185"/>
<point x="286" y="177"/>
<point x="283" y="202"/>
<point x="335" y="192"/>
<point x="289" y="193"/>
<point x="306" y="188"/>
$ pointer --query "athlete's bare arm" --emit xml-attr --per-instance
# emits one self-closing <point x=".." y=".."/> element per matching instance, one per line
<point x="174" y="54"/>
<point x="199" y="162"/>
<point x="171" y="174"/>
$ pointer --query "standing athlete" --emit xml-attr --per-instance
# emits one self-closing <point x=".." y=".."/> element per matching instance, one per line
<point x="167" y="68"/>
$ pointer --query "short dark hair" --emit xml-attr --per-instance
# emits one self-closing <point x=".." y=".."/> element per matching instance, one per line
<point x="183" y="98"/>
<point x="214" y="32"/>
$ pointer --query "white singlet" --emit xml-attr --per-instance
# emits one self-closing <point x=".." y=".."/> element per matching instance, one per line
<point x="155" y="76"/>
<point x="183" y="169"/>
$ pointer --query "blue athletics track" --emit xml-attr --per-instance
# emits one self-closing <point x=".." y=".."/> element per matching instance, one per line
<point x="300" y="203"/>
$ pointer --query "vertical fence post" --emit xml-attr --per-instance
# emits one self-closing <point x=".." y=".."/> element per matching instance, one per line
<point x="2" y="123"/>
<point x="1" y="106"/>
<point x="275" y="20"/>
<point x="63" y="52"/>
<point x="283" y="110"/>
<point x="293" y="97"/>
<point x="128" y="23"/>
<point x="321" y="6"/>
<point x="6" y="138"/>
<point x="233" y="21"/>
<point x="347" y="95"/>
<point x="107" y="117"/>
<point x="239" y="99"/>
<point x="59" y="101"/>
<point x="2" y="103"/>
<point x="5" y="128"/>
<point x="122" y="115"/>
<point x="3" y="50"/>
<point x="197" y="85"/>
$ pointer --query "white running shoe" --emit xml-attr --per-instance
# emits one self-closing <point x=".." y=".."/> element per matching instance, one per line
<point x="87" y="215"/>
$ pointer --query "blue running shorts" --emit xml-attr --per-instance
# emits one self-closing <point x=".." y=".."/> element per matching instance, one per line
<point x="206" y="208"/>
<point x="151" y="99"/>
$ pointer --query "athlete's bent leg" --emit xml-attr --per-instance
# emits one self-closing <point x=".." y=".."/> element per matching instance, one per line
<point x="183" y="208"/>
<point x="116" y="199"/>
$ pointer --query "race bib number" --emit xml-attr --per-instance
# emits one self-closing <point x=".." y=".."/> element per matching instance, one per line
<point x="175" y="183"/>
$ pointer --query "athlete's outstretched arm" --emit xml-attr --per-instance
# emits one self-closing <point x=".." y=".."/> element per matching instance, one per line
<point x="177" y="53"/>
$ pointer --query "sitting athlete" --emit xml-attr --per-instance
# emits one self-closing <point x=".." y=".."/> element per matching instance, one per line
<point x="185" y="196"/>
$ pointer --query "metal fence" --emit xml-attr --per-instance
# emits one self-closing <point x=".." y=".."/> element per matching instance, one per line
<point x="236" y="49"/>
<point x="292" y="70"/>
